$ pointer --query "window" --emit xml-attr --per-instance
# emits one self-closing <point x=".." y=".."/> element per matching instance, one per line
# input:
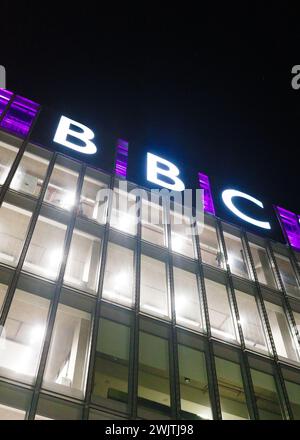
<point x="154" y="375"/>
<point x="82" y="270"/>
<point x="67" y="360"/>
<point x="14" y="222"/>
<point x="236" y="255"/>
<point x="297" y="319"/>
<point x="284" y="341"/>
<point x="7" y="156"/>
<point x="3" y="289"/>
<point x="182" y="235"/>
<point x="210" y="250"/>
<point x="221" y="320"/>
<point x="250" y="321"/>
<point x="154" y="294"/>
<point x="153" y="228"/>
<point x="93" y="203"/>
<point x="50" y="408"/>
<point x="23" y="335"/>
<point x="45" y="252"/>
<point x="14" y="402"/>
<point x="231" y="390"/>
<point x="266" y="395"/>
<point x="194" y="396"/>
<point x="30" y="174"/>
<point x="118" y="278"/>
<point x="187" y="303"/>
<point x="293" y="390"/>
<point x="123" y="215"/>
<point x="112" y="363"/>
<point x="61" y="190"/>
<point x="262" y="265"/>
<point x="287" y="274"/>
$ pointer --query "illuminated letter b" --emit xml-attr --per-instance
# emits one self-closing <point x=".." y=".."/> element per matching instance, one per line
<point x="169" y="170"/>
<point x="85" y="135"/>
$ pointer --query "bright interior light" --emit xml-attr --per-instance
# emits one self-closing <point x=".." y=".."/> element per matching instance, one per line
<point x="37" y="333"/>
<point x="177" y="243"/>
<point x="68" y="200"/>
<point x="124" y="222"/>
<point x="55" y="257"/>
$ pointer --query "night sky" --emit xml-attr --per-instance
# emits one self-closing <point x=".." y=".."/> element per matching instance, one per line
<point x="209" y="89"/>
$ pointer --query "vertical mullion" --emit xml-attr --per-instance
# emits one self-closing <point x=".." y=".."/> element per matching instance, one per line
<point x="210" y="359"/>
<point x="97" y="309"/>
<point x="55" y="301"/>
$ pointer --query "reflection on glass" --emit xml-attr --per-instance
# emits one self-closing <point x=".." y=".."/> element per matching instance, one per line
<point x="220" y="316"/>
<point x="14" y="224"/>
<point x="182" y="235"/>
<point x="112" y="362"/>
<point x="7" y="156"/>
<point x="187" y="304"/>
<point x="231" y="390"/>
<point x="50" y="408"/>
<point x="68" y="354"/>
<point x="262" y="265"/>
<point x="14" y="402"/>
<point x="266" y="395"/>
<point x="194" y="395"/>
<point x="123" y="214"/>
<point x="118" y="278"/>
<point x="284" y="342"/>
<point x="22" y="338"/>
<point x="30" y="174"/>
<point x="93" y="203"/>
<point x="236" y="255"/>
<point x="250" y="321"/>
<point x="154" y="375"/>
<point x="153" y="223"/>
<point x="45" y="251"/>
<point x="210" y="249"/>
<point x="154" y="293"/>
<point x="61" y="190"/>
<point x="293" y="390"/>
<point x="82" y="270"/>
<point x="287" y="274"/>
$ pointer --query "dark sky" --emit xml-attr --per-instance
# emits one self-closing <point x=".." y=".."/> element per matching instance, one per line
<point x="208" y="88"/>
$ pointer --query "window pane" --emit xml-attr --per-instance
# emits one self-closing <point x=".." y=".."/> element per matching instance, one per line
<point x="7" y="156"/>
<point x="118" y="278"/>
<point x="154" y="294"/>
<point x="293" y="390"/>
<point x="194" y="396"/>
<point x="82" y="270"/>
<point x="92" y="203"/>
<point x="61" y="190"/>
<point x="123" y="215"/>
<point x="50" y="408"/>
<point x="3" y="290"/>
<point x="153" y="224"/>
<point x="112" y="362"/>
<point x="14" y="402"/>
<point x="236" y="255"/>
<point x="266" y="395"/>
<point x="284" y="343"/>
<point x="220" y="317"/>
<point x="250" y="321"/>
<point x="210" y="250"/>
<point x="30" y="174"/>
<point x="187" y="302"/>
<point x="262" y="265"/>
<point x="297" y="319"/>
<point x="231" y="389"/>
<point x="181" y="235"/>
<point x="287" y="274"/>
<point x="154" y="376"/>
<point x="14" y="224"/>
<point x="68" y="354"/>
<point x="45" y="251"/>
<point x="23" y="335"/>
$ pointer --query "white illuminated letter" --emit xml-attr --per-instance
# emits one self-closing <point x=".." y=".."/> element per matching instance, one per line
<point x="85" y="135"/>
<point x="227" y="197"/>
<point x="171" y="172"/>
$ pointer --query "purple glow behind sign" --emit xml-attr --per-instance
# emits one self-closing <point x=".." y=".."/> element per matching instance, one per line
<point x="208" y="204"/>
<point x="121" y="159"/>
<point x="20" y="116"/>
<point x="5" y="97"/>
<point x="290" y="226"/>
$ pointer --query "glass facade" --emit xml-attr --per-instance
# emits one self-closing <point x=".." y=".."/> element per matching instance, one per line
<point x="103" y="318"/>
